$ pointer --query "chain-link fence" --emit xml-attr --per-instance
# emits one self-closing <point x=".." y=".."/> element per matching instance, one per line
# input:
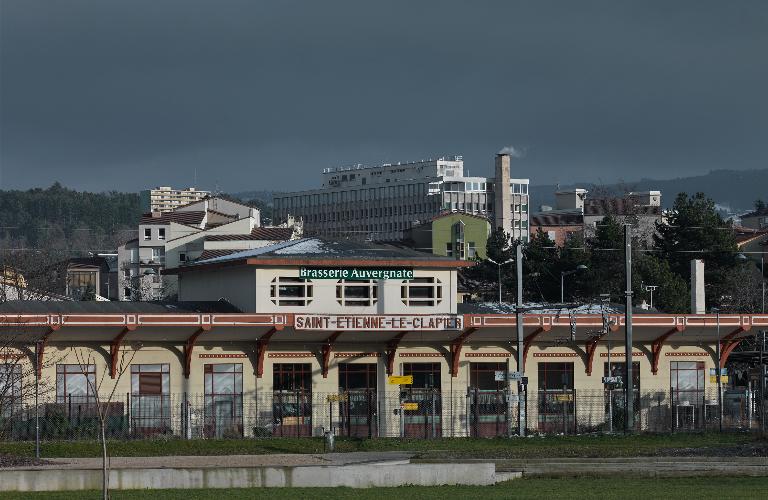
<point x="412" y="413"/>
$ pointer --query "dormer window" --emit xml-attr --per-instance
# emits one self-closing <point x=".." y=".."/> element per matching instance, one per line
<point x="356" y="293"/>
<point x="421" y="292"/>
<point x="290" y="291"/>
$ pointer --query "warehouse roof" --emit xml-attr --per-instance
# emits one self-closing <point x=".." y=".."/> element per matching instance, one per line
<point x="321" y="252"/>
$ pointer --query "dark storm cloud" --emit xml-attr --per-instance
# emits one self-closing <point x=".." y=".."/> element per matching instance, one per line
<point x="257" y="95"/>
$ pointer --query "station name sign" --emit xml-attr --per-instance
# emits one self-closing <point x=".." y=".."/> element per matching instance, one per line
<point x="379" y="322"/>
<point x="355" y="273"/>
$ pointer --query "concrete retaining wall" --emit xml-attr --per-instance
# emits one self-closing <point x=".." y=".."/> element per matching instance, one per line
<point x="355" y="476"/>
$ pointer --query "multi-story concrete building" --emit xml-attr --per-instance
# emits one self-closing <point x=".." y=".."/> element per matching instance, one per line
<point x="382" y="202"/>
<point x="166" y="198"/>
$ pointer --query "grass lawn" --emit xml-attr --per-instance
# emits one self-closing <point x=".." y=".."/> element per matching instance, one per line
<point x="619" y="488"/>
<point x="530" y="447"/>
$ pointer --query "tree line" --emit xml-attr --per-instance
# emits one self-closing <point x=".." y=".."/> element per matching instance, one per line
<point x="595" y="264"/>
<point x="58" y="218"/>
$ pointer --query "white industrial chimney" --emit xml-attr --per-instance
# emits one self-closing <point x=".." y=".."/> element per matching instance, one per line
<point x="698" y="297"/>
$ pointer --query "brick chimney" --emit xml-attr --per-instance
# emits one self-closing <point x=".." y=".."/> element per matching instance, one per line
<point x="502" y="202"/>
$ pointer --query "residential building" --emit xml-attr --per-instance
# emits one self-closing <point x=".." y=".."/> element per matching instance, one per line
<point x="166" y="198"/>
<point x="380" y="203"/>
<point x="93" y="278"/>
<point x="577" y="213"/>
<point x="170" y="238"/>
<point x="456" y="234"/>
<point x="757" y="219"/>
<point x="15" y="287"/>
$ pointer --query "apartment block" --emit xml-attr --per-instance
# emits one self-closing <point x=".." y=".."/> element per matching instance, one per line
<point x="166" y="198"/>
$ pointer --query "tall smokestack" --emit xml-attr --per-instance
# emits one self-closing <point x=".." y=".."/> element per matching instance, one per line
<point x="698" y="297"/>
<point x="502" y="203"/>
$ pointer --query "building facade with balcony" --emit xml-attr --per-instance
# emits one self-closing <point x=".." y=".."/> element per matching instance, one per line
<point x="167" y="199"/>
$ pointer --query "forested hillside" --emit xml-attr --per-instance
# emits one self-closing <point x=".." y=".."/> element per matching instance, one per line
<point x="65" y="219"/>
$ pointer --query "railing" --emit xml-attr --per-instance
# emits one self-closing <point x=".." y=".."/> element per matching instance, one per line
<point x="421" y="414"/>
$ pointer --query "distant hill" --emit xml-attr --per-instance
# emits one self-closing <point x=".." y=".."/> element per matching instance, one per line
<point x="263" y="196"/>
<point x="736" y="189"/>
<point x="65" y="219"/>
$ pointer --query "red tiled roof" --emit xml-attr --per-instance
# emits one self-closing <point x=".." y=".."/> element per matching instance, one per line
<point x="210" y="254"/>
<point x="231" y="216"/>
<point x="258" y="233"/>
<point x="618" y="206"/>
<point x="165" y="218"/>
<point x="545" y="219"/>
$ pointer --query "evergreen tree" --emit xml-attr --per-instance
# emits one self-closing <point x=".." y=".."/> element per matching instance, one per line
<point x="606" y="267"/>
<point x="541" y="262"/>
<point x="694" y="230"/>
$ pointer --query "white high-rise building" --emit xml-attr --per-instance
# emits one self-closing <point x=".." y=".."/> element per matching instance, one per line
<point x="166" y="198"/>
<point x="381" y="202"/>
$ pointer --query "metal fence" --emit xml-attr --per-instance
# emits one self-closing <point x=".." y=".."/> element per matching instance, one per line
<point x="420" y="414"/>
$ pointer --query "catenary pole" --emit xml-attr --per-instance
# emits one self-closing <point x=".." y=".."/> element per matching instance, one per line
<point x="520" y="332"/>
<point x="762" y="382"/>
<point x="629" y="384"/>
<point x="37" y="403"/>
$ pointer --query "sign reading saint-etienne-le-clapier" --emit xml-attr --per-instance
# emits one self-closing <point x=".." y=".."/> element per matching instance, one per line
<point x="355" y="273"/>
<point x="387" y="322"/>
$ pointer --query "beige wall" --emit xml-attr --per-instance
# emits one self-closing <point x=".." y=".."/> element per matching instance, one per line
<point x="237" y="285"/>
<point x="257" y="392"/>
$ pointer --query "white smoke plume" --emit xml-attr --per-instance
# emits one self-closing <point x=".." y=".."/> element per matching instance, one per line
<point x="512" y="151"/>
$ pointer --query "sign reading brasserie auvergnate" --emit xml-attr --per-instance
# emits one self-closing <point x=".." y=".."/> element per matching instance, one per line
<point x="355" y="273"/>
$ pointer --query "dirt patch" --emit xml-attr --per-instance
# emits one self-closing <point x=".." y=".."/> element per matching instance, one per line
<point x="7" y="461"/>
<point x="759" y="449"/>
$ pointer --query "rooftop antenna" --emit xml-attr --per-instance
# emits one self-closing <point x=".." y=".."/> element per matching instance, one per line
<point x="195" y="183"/>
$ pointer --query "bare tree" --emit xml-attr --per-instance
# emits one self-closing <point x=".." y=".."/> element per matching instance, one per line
<point x="103" y="402"/>
<point x="24" y="276"/>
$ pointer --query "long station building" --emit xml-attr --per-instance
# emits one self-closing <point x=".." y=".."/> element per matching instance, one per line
<point x="303" y="335"/>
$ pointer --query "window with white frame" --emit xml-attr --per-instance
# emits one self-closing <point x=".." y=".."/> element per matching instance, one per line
<point x="290" y="291"/>
<point x="356" y="293"/>
<point x="161" y="233"/>
<point x="421" y="292"/>
<point x="471" y="250"/>
<point x="147" y="233"/>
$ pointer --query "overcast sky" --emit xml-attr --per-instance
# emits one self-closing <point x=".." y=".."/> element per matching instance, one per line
<point x="255" y="95"/>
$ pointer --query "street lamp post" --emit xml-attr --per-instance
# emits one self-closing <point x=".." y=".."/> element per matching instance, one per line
<point x="563" y="274"/>
<point x="650" y="289"/>
<point x="717" y="373"/>
<point x="38" y="349"/>
<point x="499" y="264"/>
<point x="762" y="275"/>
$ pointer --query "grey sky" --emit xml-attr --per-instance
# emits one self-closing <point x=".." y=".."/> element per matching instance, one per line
<point x="262" y="95"/>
